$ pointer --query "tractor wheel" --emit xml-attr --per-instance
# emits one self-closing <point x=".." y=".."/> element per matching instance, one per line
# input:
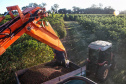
<point x="102" y="73"/>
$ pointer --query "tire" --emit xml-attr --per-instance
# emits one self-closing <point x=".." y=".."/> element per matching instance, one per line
<point x="103" y="72"/>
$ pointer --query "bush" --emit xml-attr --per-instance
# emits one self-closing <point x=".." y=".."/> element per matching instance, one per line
<point x="22" y="55"/>
<point x="105" y="27"/>
<point x="57" y="23"/>
<point x="111" y="25"/>
<point x="66" y="17"/>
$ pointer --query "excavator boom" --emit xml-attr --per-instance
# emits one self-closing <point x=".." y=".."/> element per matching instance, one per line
<point x="28" y="22"/>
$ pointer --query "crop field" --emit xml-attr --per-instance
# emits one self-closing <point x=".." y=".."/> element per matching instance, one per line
<point x="87" y="28"/>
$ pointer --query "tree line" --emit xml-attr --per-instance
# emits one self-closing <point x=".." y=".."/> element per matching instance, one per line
<point x="94" y="9"/>
<point x="91" y="10"/>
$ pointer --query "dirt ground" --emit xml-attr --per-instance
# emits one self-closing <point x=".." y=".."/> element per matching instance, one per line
<point x="76" y="43"/>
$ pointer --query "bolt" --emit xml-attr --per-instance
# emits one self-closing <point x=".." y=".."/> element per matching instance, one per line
<point x="29" y="28"/>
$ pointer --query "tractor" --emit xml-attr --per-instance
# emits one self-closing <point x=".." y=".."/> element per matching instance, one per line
<point x="100" y="59"/>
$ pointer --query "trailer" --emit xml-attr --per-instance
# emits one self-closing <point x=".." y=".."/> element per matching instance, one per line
<point x="48" y="73"/>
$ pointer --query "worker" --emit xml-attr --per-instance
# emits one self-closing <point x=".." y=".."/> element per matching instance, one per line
<point x="60" y="58"/>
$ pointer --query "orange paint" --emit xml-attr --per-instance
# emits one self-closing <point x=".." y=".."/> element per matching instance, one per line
<point x="44" y="34"/>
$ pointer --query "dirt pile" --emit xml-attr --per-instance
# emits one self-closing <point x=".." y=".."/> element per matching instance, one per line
<point x="42" y="73"/>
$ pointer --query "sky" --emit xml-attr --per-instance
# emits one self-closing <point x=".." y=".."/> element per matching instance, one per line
<point x="118" y="5"/>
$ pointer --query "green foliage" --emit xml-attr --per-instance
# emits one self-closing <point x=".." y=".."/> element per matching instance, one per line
<point x="106" y="27"/>
<point x="57" y="23"/>
<point x="23" y="55"/>
<point x="27" y="51"/>
<point x="112" y="27"/>
<point x="8" y="18"/>
<point x="66" y="18"/>
<point x="109" y="28"/>
<point x="79" y="39"/>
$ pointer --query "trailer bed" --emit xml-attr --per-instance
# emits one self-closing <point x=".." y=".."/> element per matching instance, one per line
<point x="45" y="73"/>
<point x="42" y="73"/>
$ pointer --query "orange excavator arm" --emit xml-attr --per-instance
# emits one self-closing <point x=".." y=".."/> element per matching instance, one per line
<point x="28" y="22"/>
